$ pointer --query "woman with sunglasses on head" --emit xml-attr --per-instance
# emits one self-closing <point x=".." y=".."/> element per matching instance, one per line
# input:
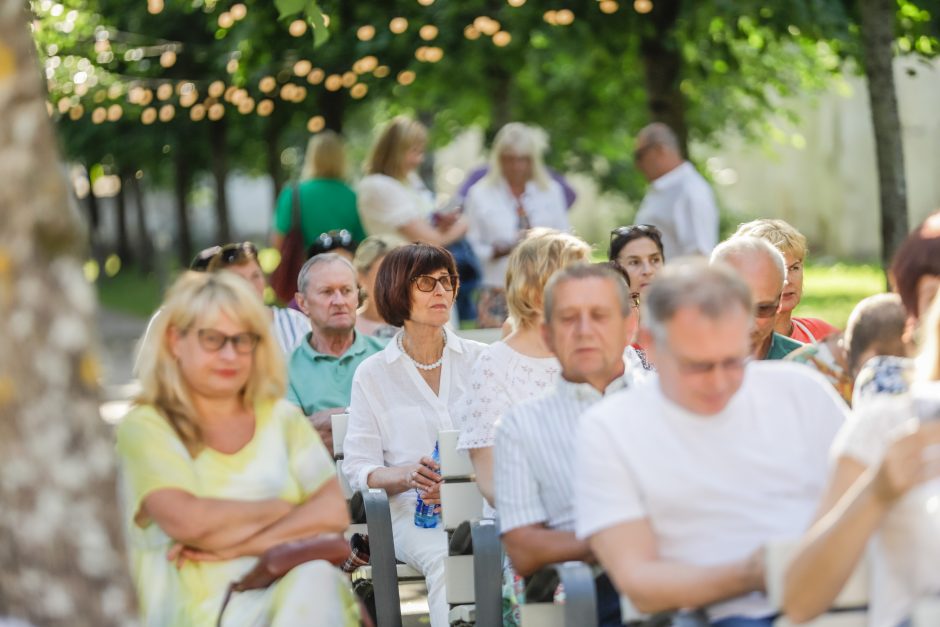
<point x="340" y="242"/>
<point x="393" y="200"/>
<point x="289" y="326"/>
<point x="326" y="202"/>
<point x="403" y="396"/>
<point x="216" y="469"/>
<point x="638" y="249"/>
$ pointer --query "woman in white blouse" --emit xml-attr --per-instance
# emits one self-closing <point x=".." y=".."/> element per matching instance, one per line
<point x="403" y="396"/>
<point x="515" y="195"/>
<point x="878" y="499"/>
<point x="392" y="199"/>
<point x="521" y="366"/>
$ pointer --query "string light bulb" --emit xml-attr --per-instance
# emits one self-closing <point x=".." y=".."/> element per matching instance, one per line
<point x="643" y="6"/>
<point x="365" y="33"/>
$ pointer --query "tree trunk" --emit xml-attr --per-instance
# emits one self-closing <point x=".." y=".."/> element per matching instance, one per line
<point x="501" y="102"/>
<point x="333" y="106"/>
<point x="94" y="222"/>
<point x="272" y="144"/>
<point x="218" y="140"/>
<point x="182" y="184"/>
<point x="877" y="18"/>
<point x="61" y="554"/>
<point x="120" y="208"/>
<point x="662" y="69"/>
<point x="144" y="244"/>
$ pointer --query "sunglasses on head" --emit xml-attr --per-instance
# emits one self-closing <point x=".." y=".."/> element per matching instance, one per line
<point x="201" y="261"/>
<point x="330" y="241"/>
<point x="647" y="230"/>
<point x="235" y="253"/>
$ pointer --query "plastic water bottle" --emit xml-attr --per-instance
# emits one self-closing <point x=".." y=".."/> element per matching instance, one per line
<point x="425" y="517"/>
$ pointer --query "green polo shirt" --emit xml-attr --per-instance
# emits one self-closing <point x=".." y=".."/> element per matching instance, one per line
<point x="317" y="381"/>
<point x="781" y="346"/>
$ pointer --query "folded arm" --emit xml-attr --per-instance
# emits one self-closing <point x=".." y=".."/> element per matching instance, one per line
<point x="629" y="554"/>
<point x="533" y="546"/>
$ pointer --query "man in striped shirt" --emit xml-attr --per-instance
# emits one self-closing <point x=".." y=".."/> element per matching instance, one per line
<point x="589" y="323"/>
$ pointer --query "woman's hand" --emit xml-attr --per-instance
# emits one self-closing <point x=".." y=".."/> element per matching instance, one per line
<point x="423" y="477"/>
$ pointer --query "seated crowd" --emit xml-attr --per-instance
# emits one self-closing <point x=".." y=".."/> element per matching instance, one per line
<point x="663" y="422"/>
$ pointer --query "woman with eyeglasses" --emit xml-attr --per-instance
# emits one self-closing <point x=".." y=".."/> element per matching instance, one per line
<point x="638" y="249"/>
<point x="289" y="326"/>
<point x="325" y="201"/>
<point x="368" y="259"/>
<point x="403" y="396"/>
<point x="393" y="200"/>
<point x="216" y="469"/>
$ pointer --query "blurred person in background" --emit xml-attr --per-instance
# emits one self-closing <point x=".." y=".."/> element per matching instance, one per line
<point x="327" y="203"/>
<point x="516" y="195"/>
<point x="368" y="259"/>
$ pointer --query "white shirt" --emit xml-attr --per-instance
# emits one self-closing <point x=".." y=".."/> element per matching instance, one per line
<point x="681" y="204"/>
<point x="533" y="464"/>
<point x="903" y="552"/>
<point x="713" y="488"/>
<point x="492" y="219"/>
<point x="502" y="377"/>
<point x="394" y="417"/>
<point x="386" y="204"/>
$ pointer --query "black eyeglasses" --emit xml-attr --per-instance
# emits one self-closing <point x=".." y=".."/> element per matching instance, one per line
<point x="234" y="253"/>
<point x="766" y="310"/>
<point x="427" y="283"/>
<point x="732" y="364"/>
<point x="331" y="240"/>
<point x="213" y="341"/>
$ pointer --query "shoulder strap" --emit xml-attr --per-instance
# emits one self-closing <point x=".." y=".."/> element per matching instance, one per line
<point x="805" y="329"/>
<point x="295" y="205"/>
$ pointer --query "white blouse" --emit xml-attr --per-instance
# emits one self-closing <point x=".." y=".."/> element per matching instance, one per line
<point x="394" y="417"/>
<point x="386" y="204"/>
<point x="493" y="220"/>
<point x="501" y="378"/>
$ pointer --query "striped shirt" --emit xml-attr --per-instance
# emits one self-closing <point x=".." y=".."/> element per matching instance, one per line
<point x="289" y="328"/>
<point x="534" y="454"/>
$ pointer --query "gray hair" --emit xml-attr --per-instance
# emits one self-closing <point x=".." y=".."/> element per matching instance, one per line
<point x="658" y="134"/>
<point x="712" y="289"/>
<point x="580" y="271"/>
<point x="521" y="139"/>
<point x="740" y="247"/>
<point x="878" y="320"/>
<point x="303" y="277"/>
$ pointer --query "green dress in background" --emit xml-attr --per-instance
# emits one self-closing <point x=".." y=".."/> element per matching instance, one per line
<point x="325" y="205"/>
<point x="284" y="459"/>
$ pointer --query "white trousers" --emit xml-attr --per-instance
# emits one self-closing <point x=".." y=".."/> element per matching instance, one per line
<point x="424" y="550"/>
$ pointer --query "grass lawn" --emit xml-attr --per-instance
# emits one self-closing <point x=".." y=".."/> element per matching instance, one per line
<point x="830" y="292"/>
<point x="130" y="292"/>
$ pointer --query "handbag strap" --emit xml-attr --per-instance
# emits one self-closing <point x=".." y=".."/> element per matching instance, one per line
<point x="295" y="206"/>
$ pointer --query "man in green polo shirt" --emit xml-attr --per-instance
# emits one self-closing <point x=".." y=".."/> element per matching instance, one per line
<point x="764" y="270"/>
<point x="320" y="370"/>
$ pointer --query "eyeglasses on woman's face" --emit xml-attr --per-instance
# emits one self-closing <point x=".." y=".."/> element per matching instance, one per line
<point x="213" y="341"/>
<point x="427" y="283"/>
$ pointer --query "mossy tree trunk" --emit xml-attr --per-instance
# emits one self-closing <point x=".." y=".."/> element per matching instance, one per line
<point x="61" y="557"/>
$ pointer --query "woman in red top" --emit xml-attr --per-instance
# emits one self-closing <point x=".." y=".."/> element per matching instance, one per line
<point x="792" y="244"/>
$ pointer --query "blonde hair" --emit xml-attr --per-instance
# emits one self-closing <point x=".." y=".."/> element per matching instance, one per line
<point x="928" y="360"/>
<point x="388" y="153"/>
<point x="524" y="140"/>
<point x="781" y="234"/>
<point x="543" y="252"/>
<point x="371" y="250"/>
<point x="202" y="297"/>
<point x="325" y="157"/>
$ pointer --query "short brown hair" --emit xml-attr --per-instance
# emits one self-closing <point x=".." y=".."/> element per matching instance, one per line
<point x="388" y="153"/>
<point x="400" y="266"/>
<point x="917" y="257"/>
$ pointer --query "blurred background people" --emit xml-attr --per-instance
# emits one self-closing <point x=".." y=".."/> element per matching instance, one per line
<point x="327" y="203"/>
<point x="393" y="200"/>
<point x="368" y="258"/>
<point x="516" y="195"/>
<point x="680" y="203"/>
<point x="216" y="469"/>
<point x="288" y="325"/>
<point x="792" y="244"/>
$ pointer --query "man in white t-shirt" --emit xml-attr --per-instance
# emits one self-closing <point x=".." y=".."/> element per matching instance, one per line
<point x="680" y="203"/>
<point x="681" y="483"/>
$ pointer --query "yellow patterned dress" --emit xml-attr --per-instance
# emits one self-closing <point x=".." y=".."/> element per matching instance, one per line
<point x="284" y="459"/>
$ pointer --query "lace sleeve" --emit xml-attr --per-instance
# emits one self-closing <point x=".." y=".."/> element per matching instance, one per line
<point x="482" y="404"/>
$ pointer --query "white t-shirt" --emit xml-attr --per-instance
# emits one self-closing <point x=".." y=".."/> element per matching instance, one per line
<point x="492" y="219"/>
<point x="681" y="204"/>
<point x="713" y="488"/>
<point x="386" y="204"/>
<point x="903" y="552"/>
<point x="501" y="377"/>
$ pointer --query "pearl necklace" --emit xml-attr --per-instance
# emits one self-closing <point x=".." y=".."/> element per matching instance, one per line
<point x="432" y="366"/>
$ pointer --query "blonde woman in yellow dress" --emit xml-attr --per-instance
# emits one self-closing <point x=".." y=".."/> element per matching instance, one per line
<point x="216" y="469"/>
